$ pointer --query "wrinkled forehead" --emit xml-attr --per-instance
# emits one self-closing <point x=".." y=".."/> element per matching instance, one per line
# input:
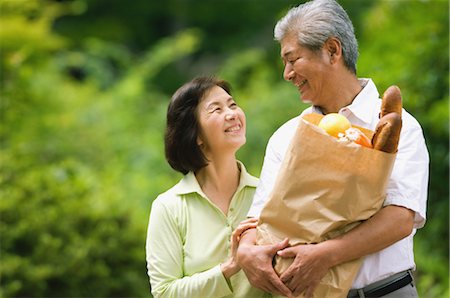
<point x="214" y="95"/>
<point x="288" y="45"/>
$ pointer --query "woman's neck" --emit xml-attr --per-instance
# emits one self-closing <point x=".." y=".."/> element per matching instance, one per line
<point x="219" y="180"/>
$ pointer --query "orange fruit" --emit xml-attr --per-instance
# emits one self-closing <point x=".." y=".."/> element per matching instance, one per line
<point x="334" y="124"/>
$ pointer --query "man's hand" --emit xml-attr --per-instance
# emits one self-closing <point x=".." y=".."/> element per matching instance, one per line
<point x="389" y="225"/>
<point x="309" y="267"/>
<point x="256" y="262"/>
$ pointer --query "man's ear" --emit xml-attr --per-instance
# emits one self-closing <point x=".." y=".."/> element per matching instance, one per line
<point x="334" y="49"/>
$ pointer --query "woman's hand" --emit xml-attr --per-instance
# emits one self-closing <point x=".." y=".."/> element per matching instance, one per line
<point x="249" y="223"/>
<point x="231" y="267"/>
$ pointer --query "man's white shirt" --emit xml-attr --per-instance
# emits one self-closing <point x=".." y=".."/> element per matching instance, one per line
<point x="407" y="187"/>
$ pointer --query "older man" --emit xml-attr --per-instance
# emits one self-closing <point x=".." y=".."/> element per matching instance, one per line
<point x="320" y="51"/>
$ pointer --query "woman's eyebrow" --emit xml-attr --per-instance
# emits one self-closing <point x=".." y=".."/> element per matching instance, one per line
<point x="218" y="103"/>
<point x="212" y="104"/>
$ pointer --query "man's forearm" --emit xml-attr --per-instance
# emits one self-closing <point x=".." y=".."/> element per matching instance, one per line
<point x="387" y="226"/>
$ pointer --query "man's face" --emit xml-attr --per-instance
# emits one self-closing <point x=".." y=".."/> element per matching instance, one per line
<point x="306" y="69"/>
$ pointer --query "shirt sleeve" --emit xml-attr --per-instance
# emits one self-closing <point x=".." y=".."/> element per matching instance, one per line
<point x="269" y="171"/>
<point x="408" y="186"/>
<point x="275" y="151"/>
<point x="164" y="249"/>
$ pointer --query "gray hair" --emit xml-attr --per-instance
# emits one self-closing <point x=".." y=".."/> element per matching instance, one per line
<point x="315" y="22"/>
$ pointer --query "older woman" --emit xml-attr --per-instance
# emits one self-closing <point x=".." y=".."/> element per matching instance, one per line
<point x="319" y="51"/>
<point x="191" y="246"/>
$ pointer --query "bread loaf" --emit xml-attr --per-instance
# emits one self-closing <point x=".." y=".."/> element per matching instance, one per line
<point x="392" y="101"/>
<point x="387" y="133"/>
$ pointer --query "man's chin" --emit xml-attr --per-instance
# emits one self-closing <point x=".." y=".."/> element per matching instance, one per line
<point x="305" y="100"/>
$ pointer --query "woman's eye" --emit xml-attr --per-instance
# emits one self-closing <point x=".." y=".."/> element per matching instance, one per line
<point x="233" y="105"/>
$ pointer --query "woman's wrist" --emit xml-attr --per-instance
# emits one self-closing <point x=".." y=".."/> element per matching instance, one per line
<point x="229" y="268"/>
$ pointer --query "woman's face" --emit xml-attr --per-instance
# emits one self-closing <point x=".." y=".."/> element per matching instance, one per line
<point x="306" y="69"/>
<point x="222" y="122"/>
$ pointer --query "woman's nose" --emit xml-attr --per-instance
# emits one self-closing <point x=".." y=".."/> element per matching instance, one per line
<point x="231" y="115"/>
<point x="288" y="72"/>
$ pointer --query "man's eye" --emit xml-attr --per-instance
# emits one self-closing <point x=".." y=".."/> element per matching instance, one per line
<point x="233" y="105"/>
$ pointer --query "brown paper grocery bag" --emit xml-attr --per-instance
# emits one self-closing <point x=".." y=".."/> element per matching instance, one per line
<point x="324" y="188"/>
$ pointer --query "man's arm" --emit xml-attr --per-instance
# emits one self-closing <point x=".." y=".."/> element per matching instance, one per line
<point x="389" y="225"/>
<point x="256" y="262"/>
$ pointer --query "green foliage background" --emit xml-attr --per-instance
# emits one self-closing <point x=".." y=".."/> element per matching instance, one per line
<point x="84" y="90"/>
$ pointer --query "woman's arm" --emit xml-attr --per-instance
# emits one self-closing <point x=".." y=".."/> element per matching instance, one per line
<point x="164" y="249"/>
<point x="231" y="266"/>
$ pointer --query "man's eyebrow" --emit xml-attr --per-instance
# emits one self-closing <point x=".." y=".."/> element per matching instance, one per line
<point x="285" y="54"/>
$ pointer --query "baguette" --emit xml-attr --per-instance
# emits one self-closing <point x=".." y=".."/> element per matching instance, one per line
<point x="392" y="101"/>
<point x="387" y="133"/>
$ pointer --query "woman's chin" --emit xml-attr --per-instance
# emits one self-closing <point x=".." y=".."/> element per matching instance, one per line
<point x="239" y="143"/>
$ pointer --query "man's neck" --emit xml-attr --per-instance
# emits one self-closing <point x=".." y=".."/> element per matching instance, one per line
<point x="347" y="89"/>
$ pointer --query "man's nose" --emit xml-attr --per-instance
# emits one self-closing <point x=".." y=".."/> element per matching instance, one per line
<point x="288" y="73"/>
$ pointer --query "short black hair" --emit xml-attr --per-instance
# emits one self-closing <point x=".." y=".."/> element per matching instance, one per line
<point x="180" y="139"/>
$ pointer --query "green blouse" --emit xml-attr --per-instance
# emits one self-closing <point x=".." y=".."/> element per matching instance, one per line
<point x="188" y="237"/>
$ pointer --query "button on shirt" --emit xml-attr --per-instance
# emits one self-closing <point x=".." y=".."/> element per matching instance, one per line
<point x="189" y="236"/>
<point x="407" y="185"/>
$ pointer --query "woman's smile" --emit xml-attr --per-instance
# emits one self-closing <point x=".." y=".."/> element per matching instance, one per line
<point x="234" y="129"/>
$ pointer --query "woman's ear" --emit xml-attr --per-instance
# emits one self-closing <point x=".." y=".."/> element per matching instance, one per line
<point x="199" y="141"/>
<point x="334" y="49"/>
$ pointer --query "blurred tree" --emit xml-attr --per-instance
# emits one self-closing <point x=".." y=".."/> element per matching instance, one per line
<point x="411" y="50"/>
<point x="78" y="145"/>
<point x="84" y="91"/>
<point x="228" y="26"/>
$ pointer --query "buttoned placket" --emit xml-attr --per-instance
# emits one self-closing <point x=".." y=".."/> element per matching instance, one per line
<point x="228" y="219"/>
<point x="230" y="216"/>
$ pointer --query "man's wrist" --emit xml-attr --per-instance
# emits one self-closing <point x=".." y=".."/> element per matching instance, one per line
<point x="328" y="250"/>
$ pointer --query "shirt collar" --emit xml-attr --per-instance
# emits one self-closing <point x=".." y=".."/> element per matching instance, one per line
<point x="363" y="104"/>
<point x="189" y="183"/>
